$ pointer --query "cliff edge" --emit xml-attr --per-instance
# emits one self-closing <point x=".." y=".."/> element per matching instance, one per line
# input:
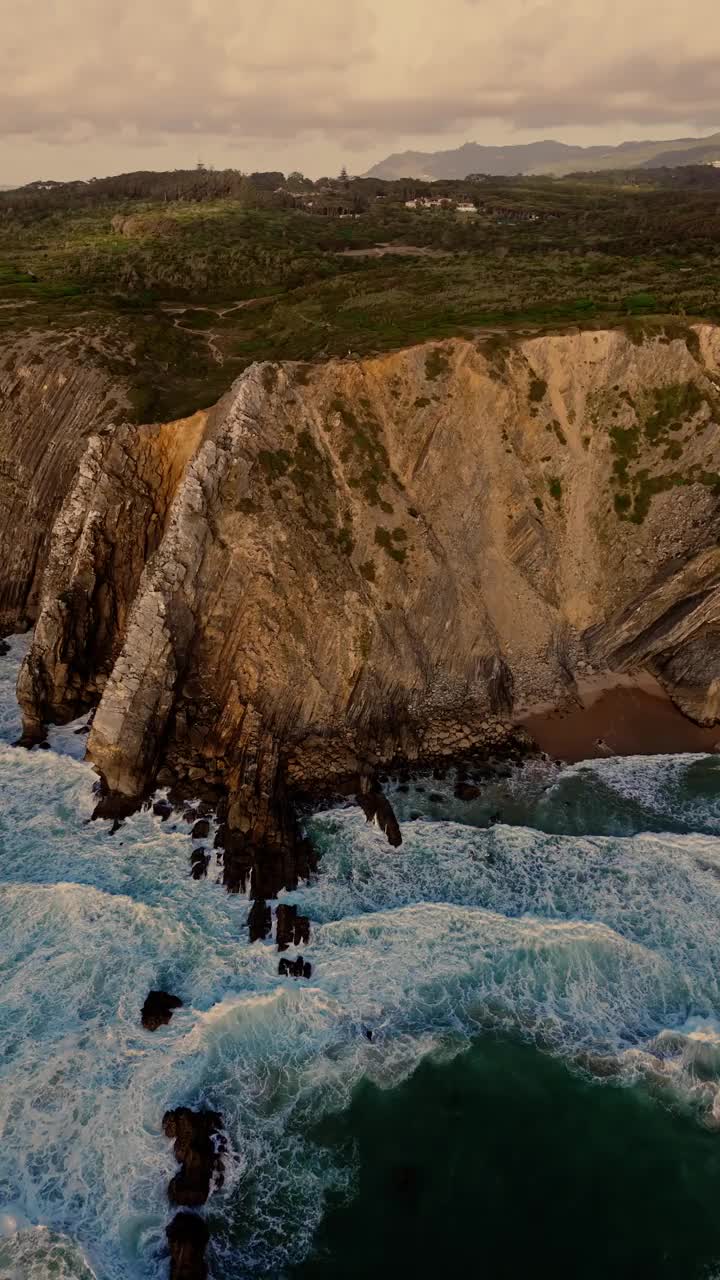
<point x="349" y="564"/>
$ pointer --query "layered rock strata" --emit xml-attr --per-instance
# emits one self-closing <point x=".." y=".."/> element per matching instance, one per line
<point x="350" y="567"/>
<point x="53" y="396"/>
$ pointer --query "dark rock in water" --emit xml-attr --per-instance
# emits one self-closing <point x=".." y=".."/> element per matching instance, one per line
<point x="199" y="1147"/>
<point x="292" y="929"/>
<point x="187" y="1237"/>
<point x="285" y="930"/>
<point x="377" y="808"/>
<point x="31" y="738"/>
<point x="201" y="830"/>
<point x="162" y="809"/>
<point x="199" y="861"/>
<point x="43" y="746"/>
<point x="84" y="729"/>
<point x="237" y="860"/>
<point x="502" y="771"/>
<point x="259" y="920"/>
<point x="483" y="773"/>
<point x="158" y="1009"/>
<point x="297" y="968"/>
<point x="4" y="648"/>
<point x="466" y="791"/>
<point x="190" y="815"/>
<point x="115" y="807"/>
<point x="436" y="798"/>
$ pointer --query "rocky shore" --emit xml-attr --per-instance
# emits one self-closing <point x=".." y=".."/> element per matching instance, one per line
<point x="452" y="556"/>
<point x="362" y="566"/>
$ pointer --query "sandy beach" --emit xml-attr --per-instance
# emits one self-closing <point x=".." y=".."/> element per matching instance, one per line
<point x="616" y="714"/>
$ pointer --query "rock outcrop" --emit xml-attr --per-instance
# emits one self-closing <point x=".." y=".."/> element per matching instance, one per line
<point x="291" y="929"/>
<point x="347" y="567"/>
<point x="187" y="1237"/>
<point x="259" y="921"/>
<point x="158" y="1009"/>
<point x="53" y="396"/>
<point x="297" y="968"/>
<point x="198" y="1148"/>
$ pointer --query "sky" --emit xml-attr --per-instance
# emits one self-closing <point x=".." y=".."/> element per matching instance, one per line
<point x="92" y="87"/>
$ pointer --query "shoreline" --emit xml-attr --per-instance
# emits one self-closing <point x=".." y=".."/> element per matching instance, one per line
<point x="616" y="713"/>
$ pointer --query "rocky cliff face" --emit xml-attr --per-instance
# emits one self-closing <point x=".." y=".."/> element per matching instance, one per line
<point x="349" y="564"/>
<point x="52" y="397"/>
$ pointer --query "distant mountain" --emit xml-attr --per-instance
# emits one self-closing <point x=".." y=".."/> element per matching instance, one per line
<point x="544" y="157"/>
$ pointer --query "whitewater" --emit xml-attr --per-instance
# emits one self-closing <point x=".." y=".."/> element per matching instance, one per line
<point x="584" y="921"/>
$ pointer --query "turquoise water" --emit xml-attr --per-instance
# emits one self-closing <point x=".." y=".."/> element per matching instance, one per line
<point x="542" y="1082"/>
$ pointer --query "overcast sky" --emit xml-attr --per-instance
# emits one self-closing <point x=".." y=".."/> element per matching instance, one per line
<point x="90" y="87"/>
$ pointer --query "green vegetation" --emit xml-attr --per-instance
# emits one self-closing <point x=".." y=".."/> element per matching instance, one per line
<point x="275" y="464"/>
<point x="672" y="406"/>
<point x="555" y="488"/>
<point x="363" y="452"/>
<point x="176" y="282"/>
<point x="384" y="539"/>
<point x="660" y="412"/>
<point x="436" y="364"/>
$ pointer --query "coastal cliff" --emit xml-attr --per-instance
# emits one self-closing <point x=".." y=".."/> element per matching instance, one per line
<point x="348" y="565"/>
<point x="52" y="398"/>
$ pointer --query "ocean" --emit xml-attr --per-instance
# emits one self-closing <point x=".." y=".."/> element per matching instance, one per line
<point x="507" y="1058"/>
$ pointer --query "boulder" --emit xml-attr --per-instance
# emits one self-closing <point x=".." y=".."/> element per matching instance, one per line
<point x="162" y="809"/>
<point x="187" y="1237"/>
<point x="201" y="830"/>
<point x="158" y="1009"/>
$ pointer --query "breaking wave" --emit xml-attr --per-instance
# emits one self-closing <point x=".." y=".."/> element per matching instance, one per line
<point x="584" y="920"/>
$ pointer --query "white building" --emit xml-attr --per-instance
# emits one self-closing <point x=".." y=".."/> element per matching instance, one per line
<point x="425" y="202"/>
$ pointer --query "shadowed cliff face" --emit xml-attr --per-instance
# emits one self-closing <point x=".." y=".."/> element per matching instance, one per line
<point x="347" y="564"/>
<point x="51" y="400"/>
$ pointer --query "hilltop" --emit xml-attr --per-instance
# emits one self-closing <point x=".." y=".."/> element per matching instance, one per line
<point x="547" y="157"/>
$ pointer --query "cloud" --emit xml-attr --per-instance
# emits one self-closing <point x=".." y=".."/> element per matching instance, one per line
<point x="355" y="70"/>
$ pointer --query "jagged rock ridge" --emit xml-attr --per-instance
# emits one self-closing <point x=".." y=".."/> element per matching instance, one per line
<point x="51" y="400"/>
<point x="360" y="562"/>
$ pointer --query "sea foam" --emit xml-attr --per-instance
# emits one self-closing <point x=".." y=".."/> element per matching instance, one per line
<point x="601" y="947"/>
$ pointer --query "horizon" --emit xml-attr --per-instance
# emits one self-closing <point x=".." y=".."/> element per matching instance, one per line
<point x="329" y="171"/>
<point x="270" y="86"/>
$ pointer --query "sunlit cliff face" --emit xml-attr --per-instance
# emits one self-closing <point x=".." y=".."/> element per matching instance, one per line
<point x="348" y="562"/>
